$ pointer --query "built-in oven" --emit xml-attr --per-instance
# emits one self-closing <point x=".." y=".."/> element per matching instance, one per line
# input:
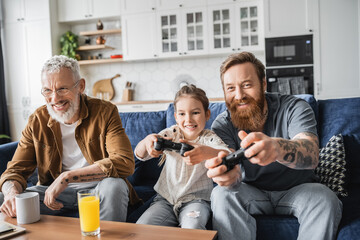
<point x="289" y="64"/>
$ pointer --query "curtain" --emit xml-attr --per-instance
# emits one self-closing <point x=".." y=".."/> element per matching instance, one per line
<point x="4" y="118"/>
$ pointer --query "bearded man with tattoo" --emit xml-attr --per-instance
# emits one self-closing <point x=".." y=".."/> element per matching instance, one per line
<point x="277" y="178"/>
<point x="76" y="142"/>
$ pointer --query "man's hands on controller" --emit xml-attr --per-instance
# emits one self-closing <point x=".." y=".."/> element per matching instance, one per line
<point x="218" y="172"/>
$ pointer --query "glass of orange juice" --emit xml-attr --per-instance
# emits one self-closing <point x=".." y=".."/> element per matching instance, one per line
<point x="89" y="211"/>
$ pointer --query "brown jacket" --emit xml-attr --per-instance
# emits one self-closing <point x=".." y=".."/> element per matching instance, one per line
<point x="99" y="134"/>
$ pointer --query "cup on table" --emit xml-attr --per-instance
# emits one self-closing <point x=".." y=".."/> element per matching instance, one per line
<point x="89" y="211"/>
<point x="27" y="207"/>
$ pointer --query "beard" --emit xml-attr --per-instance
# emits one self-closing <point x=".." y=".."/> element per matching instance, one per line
<point x="252" y="118"/>
<point x="63" y="117"/>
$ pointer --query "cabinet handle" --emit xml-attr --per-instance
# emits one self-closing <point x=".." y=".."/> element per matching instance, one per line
<point x="180" y="53"/>
<point x="90" y="15"/>
<point x="86" y="15"/>
<point x="318" y="88"/>
<point x="153" y="8"/>
<point x="180" y="5"/>
<point x="238" y="49"/>
<point x="310" y="30"/>
<point x="155" y="55"/>
<point x="234" y="49"/>
<point x="185" y="53"/>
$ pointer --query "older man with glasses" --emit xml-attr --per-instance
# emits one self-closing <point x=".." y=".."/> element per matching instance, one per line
<point x="76" y="142"/>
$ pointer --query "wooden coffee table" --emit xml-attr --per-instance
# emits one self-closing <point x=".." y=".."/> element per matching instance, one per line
<point x="55" y="227"/>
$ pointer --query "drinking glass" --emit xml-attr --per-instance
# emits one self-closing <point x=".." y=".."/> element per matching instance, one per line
<point x="89" y="211"/>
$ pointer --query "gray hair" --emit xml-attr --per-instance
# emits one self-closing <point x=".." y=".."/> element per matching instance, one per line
<point x="55" y="63"/>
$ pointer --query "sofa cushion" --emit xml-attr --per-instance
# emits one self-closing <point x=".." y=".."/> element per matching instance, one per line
<point x="338" y="116"/>
<point x="276" y="227"/>
<point x="137" y="126"/>
<point x="350" y="231"/>
<point x="331" y="168"/>
<point x="342" y="116"/>
<point x="352" y="150"/>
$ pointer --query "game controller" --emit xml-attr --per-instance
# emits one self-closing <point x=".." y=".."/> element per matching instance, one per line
<point x="164" y="144"/>
<point x="234" y="158"/>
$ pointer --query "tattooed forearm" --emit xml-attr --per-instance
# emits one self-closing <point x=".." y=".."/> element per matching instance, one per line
<point x="87" y="177"/>
<point x="301" y="152"/>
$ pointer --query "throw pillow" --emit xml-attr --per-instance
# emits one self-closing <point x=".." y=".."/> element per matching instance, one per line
<point x="331" y="168"/>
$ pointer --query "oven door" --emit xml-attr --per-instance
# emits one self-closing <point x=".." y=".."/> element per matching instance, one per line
<point x="289" y="50"/>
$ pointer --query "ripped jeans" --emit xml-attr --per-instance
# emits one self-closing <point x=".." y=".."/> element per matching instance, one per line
<point x="194" y="214"/>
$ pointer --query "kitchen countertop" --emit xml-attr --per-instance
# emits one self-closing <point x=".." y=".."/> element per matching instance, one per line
<point x="158" y="101"/>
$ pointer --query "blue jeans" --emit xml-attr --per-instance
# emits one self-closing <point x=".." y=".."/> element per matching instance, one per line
<point x="317" y="208"/>
<point x="113" y="193"/>
<point x="194" y="214"/>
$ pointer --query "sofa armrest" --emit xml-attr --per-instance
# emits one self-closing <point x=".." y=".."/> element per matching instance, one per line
<point x="7" y="151"/>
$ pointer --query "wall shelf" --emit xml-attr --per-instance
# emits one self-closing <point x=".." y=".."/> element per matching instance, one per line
<point x="93" y="47"/>
<point x="101" y="32"/>
<point x="100" y="61"/>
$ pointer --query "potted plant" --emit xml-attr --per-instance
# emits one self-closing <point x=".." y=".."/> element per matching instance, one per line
<point x="69" y="43"/>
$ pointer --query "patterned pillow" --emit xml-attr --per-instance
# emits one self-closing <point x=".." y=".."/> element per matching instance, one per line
<point x="331" y="168"/>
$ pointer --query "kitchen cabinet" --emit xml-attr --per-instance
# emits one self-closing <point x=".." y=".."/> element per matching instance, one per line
<point x="70" y="11"/>
<point x="288" y="17"/>
<point x="193" y="31"/>
<point x="236" y="27"/>
<point x="182" y="32"/>
<point x="139" y="36"/>
<point x="336" y="49"/>
<point x="137" y="6"/>
<point x="24" y="10"/>
<point x="176" y="4"/>
<point x="27" y="45"/>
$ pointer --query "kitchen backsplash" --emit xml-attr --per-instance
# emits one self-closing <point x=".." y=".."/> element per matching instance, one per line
<point x="152" y="79"/>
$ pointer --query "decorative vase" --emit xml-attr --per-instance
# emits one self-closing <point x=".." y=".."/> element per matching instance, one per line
<point x="99" y="25"/>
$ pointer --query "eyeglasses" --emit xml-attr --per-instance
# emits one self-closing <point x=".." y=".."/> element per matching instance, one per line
<point x="60" y="92"/>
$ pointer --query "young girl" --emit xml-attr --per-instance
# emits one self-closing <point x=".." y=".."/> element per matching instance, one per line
<point x="183" y="187"/>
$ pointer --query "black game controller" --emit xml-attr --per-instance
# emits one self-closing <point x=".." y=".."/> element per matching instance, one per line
<point x="163" y="144"/>
<point x="235" y="158"/>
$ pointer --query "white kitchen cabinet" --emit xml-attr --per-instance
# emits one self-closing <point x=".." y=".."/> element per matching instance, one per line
<point x="24" y="10"/>
<point x="249" y="26"/>
<point x="217" y="2"/>
<point x="176" y="4"/>
<point x="139" y="36"/>
<point x="337" y="50"/>
<point x="182" y="32"/>
<point x="70" y="10"/>
<point x="288" y="17"/>
<point x="222" y="28"/>
<point x="137" y="6"/>
<point x="236" y="27"/>
<point x="15" y="43"/>
<point x="27" y="45"/>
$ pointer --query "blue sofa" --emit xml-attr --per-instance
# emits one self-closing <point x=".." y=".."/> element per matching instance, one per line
<point x="334" y="116"/>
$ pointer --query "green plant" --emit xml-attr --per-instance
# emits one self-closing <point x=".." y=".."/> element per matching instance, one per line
<point x="4" y="136"/>
<point x="69" y="43"/>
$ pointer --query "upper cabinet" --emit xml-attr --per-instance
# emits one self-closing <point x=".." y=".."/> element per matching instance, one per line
<point x="137" y="6"/>
<point x="139" y="36"/>
<point x="288" y="17"/>
<point x="25" y="10"/>
<point x="236" y="28"/>
<point x="175" y="4"/>
<point x="70" y="10"/>
<point x="190" y="28"/>
<point x="182" y="32"/>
